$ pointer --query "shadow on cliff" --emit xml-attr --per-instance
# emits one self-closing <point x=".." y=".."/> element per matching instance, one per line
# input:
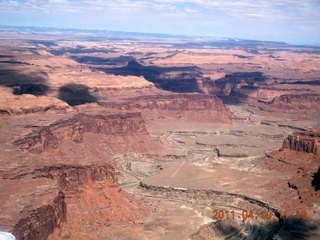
<point x="314" y="82"/>
<point x="235" y="88"/>
<point x="35" y="84"/>
<point x="102" y="61"/>
<point x="184" y="81"/>
<point x="76" y="50"/>
<point x="316" y="180"/>
<point x="76" y="94"/>
<point x="285" y="229"/>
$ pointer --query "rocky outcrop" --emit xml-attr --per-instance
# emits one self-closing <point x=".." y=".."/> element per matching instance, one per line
<point x="312" y="98"/>
<point x="75" y="183"/>
<point x="189" y="106"/>
<point x="298" y="160"/>
<point x="93" y="201"/>
<point x="76" y="177"/>
<point x="304" y="142"/>
<point x="73" y="128"/>
<point x="41" y="222"/>
<point x="231" y="83"/>
<point x="70" y="183"/>
<point x="295" y="106"/>
<point x="12" y="104"/>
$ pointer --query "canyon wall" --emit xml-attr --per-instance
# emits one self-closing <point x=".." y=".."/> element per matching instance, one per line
<point x="41" y="222"/>
<point x="298" y="99"/>
<point x="12" y="104"/>
<point x="198" y="107"/>
<point x="76" y="177"/>
<point x="308" y="142"/>
<point x="74" y="128"/>
<point x="86" y="187"/>
<point x="298" y="160"/>
<point x="67" y="181"/>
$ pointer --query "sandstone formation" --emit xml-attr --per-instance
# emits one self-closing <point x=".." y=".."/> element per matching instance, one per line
<point x="194" y="107"/>
<point x="42" y="222"/>
<point x="15" y="104"/>
<point x="73" y="183"/>
<point x="304" y="105"/>
<point x="306" y="142"/>
<point x="73" y="128"/>
<point x="61" y="179"/>
<point x="293" y="99"/>
<point x="298" y="159"/>
<point x="32" y="210"/>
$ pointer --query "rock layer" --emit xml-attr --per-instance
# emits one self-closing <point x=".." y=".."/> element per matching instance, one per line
<point x="305" y="142"/>
<point x="74" y="182"/>
<point x="41" y="222"/>
<point x="298" y="161"/>
<point x="187" y="106"/>
<point x="73" y="128"/>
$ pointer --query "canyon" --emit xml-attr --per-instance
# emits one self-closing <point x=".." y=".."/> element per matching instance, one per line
<point x="158" y="138"/>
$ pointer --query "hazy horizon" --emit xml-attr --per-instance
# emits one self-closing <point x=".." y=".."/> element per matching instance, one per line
<point x="287" y="21"/>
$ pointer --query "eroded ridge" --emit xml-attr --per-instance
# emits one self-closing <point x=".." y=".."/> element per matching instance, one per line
<point x="73" y="128"/>
<point x="77" y="187"/>
<point x="41" y="222"/>
<point x="195" y="107"/>
<point x="308" y="142"/>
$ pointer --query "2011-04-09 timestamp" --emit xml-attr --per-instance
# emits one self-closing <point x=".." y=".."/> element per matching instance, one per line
<point x="264" y="214"/>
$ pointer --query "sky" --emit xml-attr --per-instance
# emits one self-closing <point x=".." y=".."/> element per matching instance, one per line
<point x="291" y="21"/>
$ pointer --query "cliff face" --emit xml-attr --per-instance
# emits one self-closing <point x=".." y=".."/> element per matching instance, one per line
<point x="73" y="128"/>
<point x="12" y="104"/>
<point x="189" y="106"/>
<point x="304" y="142"/>
<point x="232" y="83"/>
<point x="73" y="178"/>
<point x="298" y="99"/>
<point x="298" y="160"/>
<point x="181" y="102"/>
<point x="93" y="200"/>
<point x="293" y="106"/>
<point x="41" y="222"/>
<point x="83" y="190"/>
<point x="306" y="103"/>
<point x="69" y="187"/>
